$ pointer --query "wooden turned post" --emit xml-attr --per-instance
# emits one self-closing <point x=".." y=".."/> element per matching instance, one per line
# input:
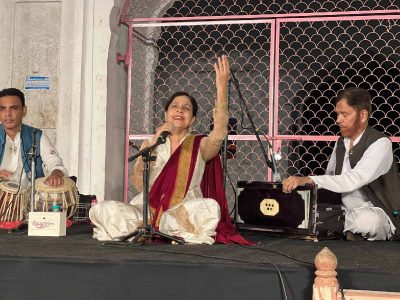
<point x="325" y="284"/>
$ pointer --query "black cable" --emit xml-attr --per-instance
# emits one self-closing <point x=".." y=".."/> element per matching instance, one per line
<point x="340" y="289"/>
<point x="253" y="126"/>
<point x="279" y="253"/>
<point x="145" y="40"/>
<point x="281" y="279"/>
<point x="241" y="261"/>
<point x="234" y="192"/>
<point x="241" y="113"/>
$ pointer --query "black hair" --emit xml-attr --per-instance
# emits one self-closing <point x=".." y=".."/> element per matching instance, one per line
<point x="356" y="97"/>
<point x="177" y="94"/>
<point x="13" y="92"/>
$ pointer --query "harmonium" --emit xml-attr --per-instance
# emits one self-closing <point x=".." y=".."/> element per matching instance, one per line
<point x="307" y="212"/>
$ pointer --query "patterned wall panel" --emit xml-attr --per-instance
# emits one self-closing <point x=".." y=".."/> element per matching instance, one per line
<point x="173" y="58"/>
<point x="317" y="59"/>
<point x="182" y="58"/>
<point x="305" y="157"/>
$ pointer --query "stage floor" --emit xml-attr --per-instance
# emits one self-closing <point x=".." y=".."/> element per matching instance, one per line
<point x="79" y="267"/>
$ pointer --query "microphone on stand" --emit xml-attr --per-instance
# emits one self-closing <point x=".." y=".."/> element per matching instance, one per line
<point x="276" y="176"/>
<point x="163" y="137"/>
<point x="33" y="168"/>
<point x="160" y="140"/>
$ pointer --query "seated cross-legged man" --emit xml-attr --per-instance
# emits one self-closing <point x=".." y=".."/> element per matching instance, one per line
<point x="363" y="169"/>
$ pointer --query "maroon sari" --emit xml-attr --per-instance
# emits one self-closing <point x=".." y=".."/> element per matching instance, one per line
<point x="170" y="187"/>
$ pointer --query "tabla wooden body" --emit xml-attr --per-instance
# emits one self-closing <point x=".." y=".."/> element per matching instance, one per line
<point x="13" y="202"/>
<point x="66" y="196"/>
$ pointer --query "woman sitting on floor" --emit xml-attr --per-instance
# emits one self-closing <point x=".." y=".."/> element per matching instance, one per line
<point x="186" y="195"/>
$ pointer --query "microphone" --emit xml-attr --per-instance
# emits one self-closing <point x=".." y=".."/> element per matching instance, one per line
<point x="160" y="140"/>
<point x="163" y="137"/>
<point x="276" y="176"/>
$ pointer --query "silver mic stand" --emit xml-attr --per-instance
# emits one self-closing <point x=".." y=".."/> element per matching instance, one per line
<point x="33" y="169"/>
<point x="147" y="231"/>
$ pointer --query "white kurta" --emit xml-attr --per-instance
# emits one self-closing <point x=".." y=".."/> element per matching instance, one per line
<point x="12" y="160"/>
<point x="195" y="219"/>
<point x="375" y="162"/>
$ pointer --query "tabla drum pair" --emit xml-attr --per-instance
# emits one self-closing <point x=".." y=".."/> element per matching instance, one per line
<point x="15" y="201"/>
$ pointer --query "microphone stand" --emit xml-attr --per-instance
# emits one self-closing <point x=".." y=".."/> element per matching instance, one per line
<point x="270" y="164"/>
<point x="224" y="160"/>
<point x="225" y="146"/>
<point x="147" y="230"/>
<point x="33" y="169"/>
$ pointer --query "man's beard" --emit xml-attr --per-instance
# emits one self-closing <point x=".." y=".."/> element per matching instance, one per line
<point x="356" y="129"/>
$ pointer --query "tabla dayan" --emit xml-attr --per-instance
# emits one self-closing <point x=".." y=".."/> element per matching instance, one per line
<point x="13" y="204"/>
<point x="66" y="196"/>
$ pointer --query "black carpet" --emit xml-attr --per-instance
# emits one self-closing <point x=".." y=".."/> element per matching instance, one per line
<point x="78" y="267"/>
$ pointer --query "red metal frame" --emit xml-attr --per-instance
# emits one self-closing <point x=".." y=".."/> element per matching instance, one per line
<point x="275" y="134"/>
<point x="128" y="20"/>
<point x="275" y="21"/>
<point x="128" y="59"/>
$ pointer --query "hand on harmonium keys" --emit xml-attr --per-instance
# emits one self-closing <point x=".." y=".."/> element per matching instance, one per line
<point x="292" y="182"/>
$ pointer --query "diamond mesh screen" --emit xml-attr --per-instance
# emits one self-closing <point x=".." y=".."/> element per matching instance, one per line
<point x="181" y="58"/>
<point x="319" y="59"/>
<point x="314" y="59"/>
<point x="305" y="157"/>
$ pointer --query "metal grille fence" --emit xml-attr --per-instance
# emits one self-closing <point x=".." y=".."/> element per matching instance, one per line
<point x="319" y="57"/>
<point x="182" y="58"/>
<point x="290" y="70"/>
<point x="192" y="8"/>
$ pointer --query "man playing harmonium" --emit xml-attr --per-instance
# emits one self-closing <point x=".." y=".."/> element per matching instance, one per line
<point x="363" y="169"/>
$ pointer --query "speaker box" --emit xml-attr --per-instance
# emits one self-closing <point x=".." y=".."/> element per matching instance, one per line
<point x="262" y="206"/>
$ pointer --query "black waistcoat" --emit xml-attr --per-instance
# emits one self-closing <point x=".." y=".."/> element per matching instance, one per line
<point x="383" y="192"/>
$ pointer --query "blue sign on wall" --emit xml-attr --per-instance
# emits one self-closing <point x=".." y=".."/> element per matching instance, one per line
<point x="37" y="83"/>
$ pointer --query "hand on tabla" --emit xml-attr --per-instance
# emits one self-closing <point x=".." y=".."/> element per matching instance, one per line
<point x="4" y="174"/>
<point x="56" y="178"/>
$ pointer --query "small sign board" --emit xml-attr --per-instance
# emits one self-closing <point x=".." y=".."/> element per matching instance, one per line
<point x="37" y="83"/>
<point x="47" y="223"/>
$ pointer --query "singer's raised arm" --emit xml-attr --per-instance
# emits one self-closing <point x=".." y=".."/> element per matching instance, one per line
<point x="211" y="145"/>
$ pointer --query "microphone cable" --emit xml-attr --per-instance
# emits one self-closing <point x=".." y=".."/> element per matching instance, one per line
<point x="220" y="258"/>
<point x="244" y="107"/>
